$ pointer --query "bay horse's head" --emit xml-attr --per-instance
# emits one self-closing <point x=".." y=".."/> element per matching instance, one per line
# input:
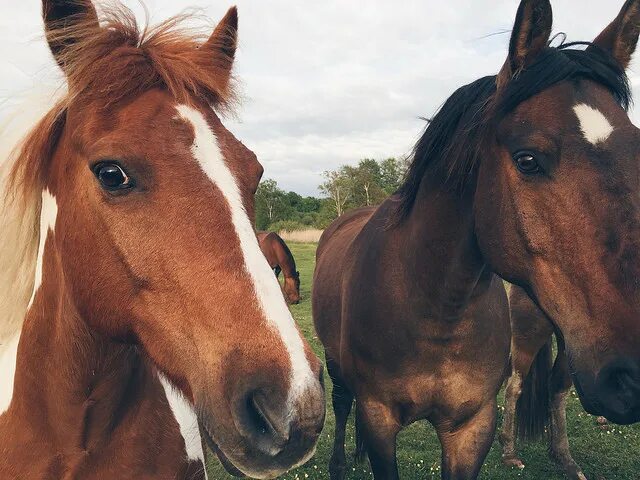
<point x="291" y="288"/>
<point x="557" y="204"/>
<point x="546" y="154"/>
<point x="153" y="231"/>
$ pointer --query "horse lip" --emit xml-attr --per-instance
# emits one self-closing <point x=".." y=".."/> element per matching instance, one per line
<point x="226" y="463"/>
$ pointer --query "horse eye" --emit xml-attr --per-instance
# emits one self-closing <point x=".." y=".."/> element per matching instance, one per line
<point x="112" y="176"/>
<point x="526" y="163"/>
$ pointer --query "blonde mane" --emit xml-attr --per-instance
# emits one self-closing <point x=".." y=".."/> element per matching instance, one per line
<point x="19" y="213"/>
<point x="109" y="63"/>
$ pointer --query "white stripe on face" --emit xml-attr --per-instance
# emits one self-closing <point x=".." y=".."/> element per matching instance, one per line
<point x="187" y="421"/>
<point x="206" y="151"/>
<point x="594" y="125"/>
<point x="8" y="353"/>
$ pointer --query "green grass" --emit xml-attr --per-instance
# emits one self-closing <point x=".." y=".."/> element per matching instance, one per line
<point x="609" y="453"/>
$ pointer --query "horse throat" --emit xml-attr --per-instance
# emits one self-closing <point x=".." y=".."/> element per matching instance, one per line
<point x="76" y="393"/>
<point x="451" y="268"/>
<point x="83" y="383"/>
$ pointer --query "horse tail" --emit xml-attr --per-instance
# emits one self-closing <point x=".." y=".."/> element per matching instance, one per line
<point x="533" y="406"/>
<point x="360" y="453"/>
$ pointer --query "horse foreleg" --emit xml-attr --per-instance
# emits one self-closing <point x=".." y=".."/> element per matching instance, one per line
<point x="464" y="447"/>
<point x="559" y="442"/>
<point x="379" y="428"/>
<point x="342" y="400"/>
<point x="507" y="435"/>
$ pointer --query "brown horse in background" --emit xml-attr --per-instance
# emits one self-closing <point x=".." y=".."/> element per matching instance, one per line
<point x="530" y="175"/>
<point x="536" y="393"/>
<point x="281" y="259"/>
<point x="123" y="354"/>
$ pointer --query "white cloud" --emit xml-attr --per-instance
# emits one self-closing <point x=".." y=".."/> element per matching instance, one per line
<point x="331" y="82"/>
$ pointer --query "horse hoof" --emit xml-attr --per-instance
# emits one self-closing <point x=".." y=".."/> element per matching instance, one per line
<point x="337" y="470"/>
<point x="513" y="462"/>
<point x="337" y="473"/>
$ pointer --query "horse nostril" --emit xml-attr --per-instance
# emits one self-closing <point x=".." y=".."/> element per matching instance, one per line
<point x="256" y="416"/>
<point x="262" y="424"/>
<point x="619" y="390"/>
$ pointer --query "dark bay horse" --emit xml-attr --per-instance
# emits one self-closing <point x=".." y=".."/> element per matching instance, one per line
<point x="536" y="393"/>
<point x="122" y="353"/>
<point x="281" y="259"/>
<point x="531" y="175"/>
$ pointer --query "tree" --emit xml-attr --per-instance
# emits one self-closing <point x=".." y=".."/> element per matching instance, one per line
<point x="337" y="186"/>
<point x="367" y="183"/>
<point x="391" y="173"/>
<point x="269" y="203"/>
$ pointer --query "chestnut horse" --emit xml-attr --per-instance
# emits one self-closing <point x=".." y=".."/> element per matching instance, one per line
<point x="536" y="393"/>
<point x="281" y="259"/>
<point x="121" y="349"/>
<point x="531" y="175"/>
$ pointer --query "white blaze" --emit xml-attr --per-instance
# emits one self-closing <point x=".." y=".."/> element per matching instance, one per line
<point x="206" y="151"/>
<point x="594" y="125"/>
<point x="187" y="421"/>
<point x="8" y="353"/>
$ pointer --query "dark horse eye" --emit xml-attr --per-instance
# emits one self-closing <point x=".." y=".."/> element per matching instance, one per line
<point x="527" y="163"/>
<point x="111" y="176"/>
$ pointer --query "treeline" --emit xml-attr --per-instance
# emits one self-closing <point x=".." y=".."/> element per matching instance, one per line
<point x="367" y="183"/>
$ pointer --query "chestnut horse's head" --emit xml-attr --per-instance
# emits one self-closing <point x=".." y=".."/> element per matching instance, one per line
<point x="558" y="201"/>
<point x="153" y="232"/>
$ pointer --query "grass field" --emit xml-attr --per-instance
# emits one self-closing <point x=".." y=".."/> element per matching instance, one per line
<point x="605" y="453"/>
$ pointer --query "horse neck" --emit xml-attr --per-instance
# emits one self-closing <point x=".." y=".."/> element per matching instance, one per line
<point x="84" y="384"/>
<point x="441" y="250"/>
<point x="286" y="261"/>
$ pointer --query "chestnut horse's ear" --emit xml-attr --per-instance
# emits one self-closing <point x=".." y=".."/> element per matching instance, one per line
<point x="621" y="36"/>
<point x="530" y="35"/>
<point x="63" y="22"/>
<point x="222" y="43"/>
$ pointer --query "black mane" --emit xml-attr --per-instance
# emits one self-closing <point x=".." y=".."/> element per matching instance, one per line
<point x="450" y="145"/>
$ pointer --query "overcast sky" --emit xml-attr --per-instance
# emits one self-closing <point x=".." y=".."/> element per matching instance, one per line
<point x="331" y="82"/>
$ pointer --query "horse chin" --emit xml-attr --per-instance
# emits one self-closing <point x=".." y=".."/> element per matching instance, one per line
<point x="226" y="463"/>
<point x="589" y="405"/>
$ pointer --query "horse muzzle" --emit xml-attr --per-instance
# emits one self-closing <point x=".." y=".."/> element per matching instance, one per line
<point x="614" y="392"/>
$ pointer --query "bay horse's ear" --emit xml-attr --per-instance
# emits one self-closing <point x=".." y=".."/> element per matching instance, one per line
<point x="621" y="36"/>
<point x="222" y="43"/>
<point x="530" y="35"/>
<point x="63" y="22"/>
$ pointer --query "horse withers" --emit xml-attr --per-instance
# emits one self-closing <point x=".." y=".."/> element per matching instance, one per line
<point x="280" y="260"/>
<point x="530" y="175"/>
<point x="122" y="348"/>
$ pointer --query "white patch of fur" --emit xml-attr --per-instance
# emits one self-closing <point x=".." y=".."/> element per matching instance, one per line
<point x="187" y="421"/>
<point x="8" y="356"/>
<point x="206" y="151"/>
<point x="19" y="234"/>
<point x="48" y="216"/>
<point x="594" y="125"/>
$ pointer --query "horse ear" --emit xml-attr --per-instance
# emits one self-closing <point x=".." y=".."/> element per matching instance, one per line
<point x="621" y="36"/>
<point x="63" y="22"/>
<point x="530" y="35"/>
<point x="223" y="41"/>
